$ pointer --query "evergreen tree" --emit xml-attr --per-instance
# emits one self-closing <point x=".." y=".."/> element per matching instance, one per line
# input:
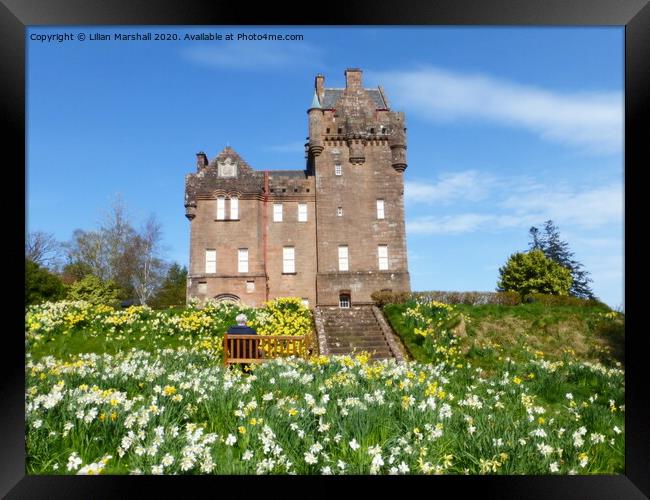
<point x="557" y="250"/>
<point x="41" y="285"/>
<point x="173" y="289"/>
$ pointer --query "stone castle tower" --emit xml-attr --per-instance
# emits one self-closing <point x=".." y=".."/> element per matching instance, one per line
<point x="331" y="234"/>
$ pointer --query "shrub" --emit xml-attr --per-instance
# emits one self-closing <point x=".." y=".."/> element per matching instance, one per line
<point x="95" y="291"/>
<point x="383" y="297"/>
<point x="284" y="316"/>
<point x="533" y="272"/>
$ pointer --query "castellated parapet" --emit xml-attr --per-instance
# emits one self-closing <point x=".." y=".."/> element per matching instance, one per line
<point x="331" y="234"/>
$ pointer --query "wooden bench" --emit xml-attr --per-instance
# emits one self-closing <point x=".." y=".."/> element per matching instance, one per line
<point x="259" y="348"/>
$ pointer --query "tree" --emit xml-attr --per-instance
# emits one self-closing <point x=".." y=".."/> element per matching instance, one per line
<point x="149" y="269"/>
<point x="43" y="249"/>
<point x="117" y="252"/>
<point x="94" y="290"/>
<point x="89" y="249"/>
<point x="557" y="250"/>
<point x="533" y="272"/>
<point x="119" y="239"/>
<point x="41" y="285"/>
<point x="75" y="271"/>
<point x="172" y="291"/>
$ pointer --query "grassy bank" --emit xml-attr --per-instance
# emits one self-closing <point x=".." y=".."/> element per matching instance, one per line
<point x="487" y="334"/>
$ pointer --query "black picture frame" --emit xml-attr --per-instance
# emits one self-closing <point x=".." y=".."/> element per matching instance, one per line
<point x="16" y="15"/>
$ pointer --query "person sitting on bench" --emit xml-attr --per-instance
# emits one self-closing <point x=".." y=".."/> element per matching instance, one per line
<point x="242" y="329"/>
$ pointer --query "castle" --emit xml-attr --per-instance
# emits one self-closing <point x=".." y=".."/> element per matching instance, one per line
<point x="331" y="234"/>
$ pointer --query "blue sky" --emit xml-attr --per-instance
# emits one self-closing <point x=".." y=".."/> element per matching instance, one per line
<point x="507" y="127"/>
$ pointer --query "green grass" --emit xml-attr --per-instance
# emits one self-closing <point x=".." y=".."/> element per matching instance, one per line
<point x="491" y="333"/>
<point x="69" y="345"/>
<point x="496" y="384"/>
<point x="225" y="403"/>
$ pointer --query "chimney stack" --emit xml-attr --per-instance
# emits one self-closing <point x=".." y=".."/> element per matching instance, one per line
<point x="353" y="78"/>
<point x="320" y="86"/>
<point x="201" y="160"/>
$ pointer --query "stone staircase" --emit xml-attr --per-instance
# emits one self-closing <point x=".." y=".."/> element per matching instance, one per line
<point x="342" y="331"/>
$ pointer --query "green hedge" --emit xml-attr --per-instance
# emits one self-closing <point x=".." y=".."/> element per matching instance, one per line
<point x="381" y="298"/>
<point x="469" y="298"/>
<point x="562" y="300"/>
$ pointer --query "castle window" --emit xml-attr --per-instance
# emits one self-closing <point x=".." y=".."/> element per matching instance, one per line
<point x="383" y="130"/>
<point x="344" y="301"/>
<point x="242" y="260"/>
<point x="340" y="131"/>
<point x="203" y="288"/>
<point x="337" y="169"/>
<point x="210" y="260"/>
<point x="250" y="286"/>
<point x="328" y="131"/>
<point x="288" y="260"/>
<point x="277" y="212"/>
<point x="234" y="208"/>
<point x="382" y="252"/>
<point x="302" y="212"/>
<point x="372" y="130"/>
<point x="339" y="212"/>
<point x="380" y="209"/>
<point x="221" y="208"/>
<point x="343" y="258"/>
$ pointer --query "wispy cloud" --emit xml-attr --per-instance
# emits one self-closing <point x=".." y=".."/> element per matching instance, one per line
<point x="255" y="56"/>
<point x="588" y="208"/>
<point x="467" y="185"/>
<point x="592" y="121"/>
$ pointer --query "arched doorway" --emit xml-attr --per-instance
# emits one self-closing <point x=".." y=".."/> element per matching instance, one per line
<point x="226" y="297"/>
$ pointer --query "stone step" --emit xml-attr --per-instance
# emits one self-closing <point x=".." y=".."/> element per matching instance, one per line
<point x="367" y="343"/>
<point x="349" y="322"/>
<point x="359" y="324"/>
<point x="374" y="352"/>
<point x="355" y="336"/>
<point x="353" y="329"/>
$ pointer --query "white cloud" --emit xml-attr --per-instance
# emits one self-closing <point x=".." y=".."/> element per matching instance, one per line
<point x="589" y="208"/>
<point x="254" y="56"/>
<point x="592" y="121"/>
<point x="468" y="185"/>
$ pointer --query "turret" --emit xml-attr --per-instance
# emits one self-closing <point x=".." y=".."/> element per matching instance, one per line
<point x="397" y="142"/>
<point x="315" y="113"/>
<point x="190" y="210"/>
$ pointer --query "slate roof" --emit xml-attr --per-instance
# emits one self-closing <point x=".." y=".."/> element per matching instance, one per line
<point x="297" y="174"/>
<point x="331" y="96"/>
